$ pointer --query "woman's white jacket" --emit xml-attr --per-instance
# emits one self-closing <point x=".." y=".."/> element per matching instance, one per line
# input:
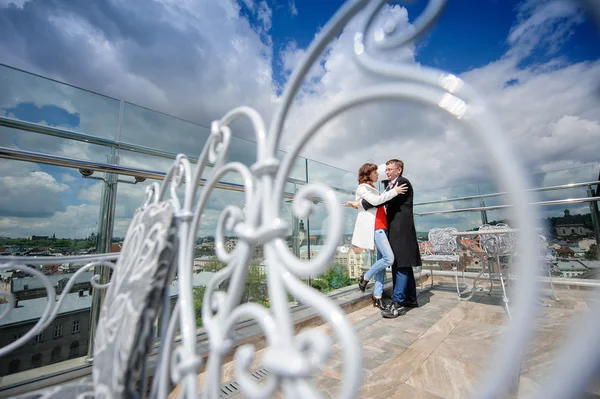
<point x="364" y="229"/>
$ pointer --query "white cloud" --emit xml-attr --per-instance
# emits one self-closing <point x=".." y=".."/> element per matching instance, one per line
<point x="264" y="15"/>
<point x="550" y="113"/>
<point x="543" y="24"/>
<point x="197" y="60"/>
<point x="27" y="191"/>
<point x="15" y="3"/>
<point x="67" y="178"/>
<point x="75" y="221"/>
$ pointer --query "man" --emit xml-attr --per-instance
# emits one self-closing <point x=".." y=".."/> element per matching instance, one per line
<point x="403" y="240"/>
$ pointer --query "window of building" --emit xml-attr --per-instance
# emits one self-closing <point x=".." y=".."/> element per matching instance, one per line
<point x="16" y="336"/>
<point x="37" y="338"/>
<point x="36" y="360"/>
<point x="55" y="355"/>
<point x="74" y="349"/>
<point x="14" y="366"/>
<point x="75" y="328"/>
<point x="58" y="330"/>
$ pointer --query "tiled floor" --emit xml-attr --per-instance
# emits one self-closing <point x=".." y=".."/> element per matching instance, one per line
<point x="440" y="349"/>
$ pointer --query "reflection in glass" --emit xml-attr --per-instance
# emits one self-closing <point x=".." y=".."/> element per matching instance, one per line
<point x="32" y="98"/>
<point x="338" y="179"/>
<point x="29" y="141"/>
<point x="144" y="127"/>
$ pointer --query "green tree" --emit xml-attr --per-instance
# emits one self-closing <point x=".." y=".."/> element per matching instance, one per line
<point x="256" y="290"/>
<point x="214" y="264"/>
<point x="336" y="277"/>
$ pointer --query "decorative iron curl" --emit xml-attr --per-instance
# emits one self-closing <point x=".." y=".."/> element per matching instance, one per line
<point x="186" y="362"/>
<point x="303" y="206"/>
<point x="431" y="87"/>
<point x="259" y="223"/>
<point x="53" y="305"/>
<point x="384" y="36"/>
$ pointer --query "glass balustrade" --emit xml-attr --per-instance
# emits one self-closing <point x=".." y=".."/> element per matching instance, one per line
<point x="48" y="210"/>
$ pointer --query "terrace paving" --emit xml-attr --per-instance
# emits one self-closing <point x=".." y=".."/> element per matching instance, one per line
<point x="440" y="349"/>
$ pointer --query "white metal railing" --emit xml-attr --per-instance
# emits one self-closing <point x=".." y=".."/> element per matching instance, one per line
<point x="293" y="359"/>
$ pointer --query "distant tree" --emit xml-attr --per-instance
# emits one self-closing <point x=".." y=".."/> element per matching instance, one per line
<point x="336" y="277"/>
<point x="214" y="264"/>
<point x="256" y="290"/>
<point x="319" y="284"/>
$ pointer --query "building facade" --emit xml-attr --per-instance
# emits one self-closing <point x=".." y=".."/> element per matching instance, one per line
<point x="65" y="338"/>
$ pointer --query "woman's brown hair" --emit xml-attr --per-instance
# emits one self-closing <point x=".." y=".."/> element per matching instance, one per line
<point x="364" y="173"/>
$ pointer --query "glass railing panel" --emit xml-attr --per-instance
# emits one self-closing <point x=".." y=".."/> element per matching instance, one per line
<point x="32" y="98"/>
<point x="565" y="176"/>
<point x="243" y="151"/>
<point x="148" y="128"/>
<point x="489" y="187"/>
<point x="339" y="179"/>
<point x="46" y="211"/>
<point x="443" y="194"/>
<point x="206" y="262"/>
<point x="29" y="141"/>
<point x="137" y="160"/>
<point x="347" y="261"/>
<point x="298" y="170"/>
<point x="463" y="221"/>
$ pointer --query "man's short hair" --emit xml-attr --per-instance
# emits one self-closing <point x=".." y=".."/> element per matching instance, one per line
<point x="396" y="162"/>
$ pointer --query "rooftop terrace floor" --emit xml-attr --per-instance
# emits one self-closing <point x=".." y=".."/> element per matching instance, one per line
<point x="440" y="349"/>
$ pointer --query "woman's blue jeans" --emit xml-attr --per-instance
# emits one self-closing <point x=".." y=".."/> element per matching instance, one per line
<point x="385" y="258"/>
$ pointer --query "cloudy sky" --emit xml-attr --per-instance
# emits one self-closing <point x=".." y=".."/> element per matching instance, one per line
<point x="535" y="61"/>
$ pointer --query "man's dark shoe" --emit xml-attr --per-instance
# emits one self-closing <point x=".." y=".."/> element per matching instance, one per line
<point x="410" y="304"/>
<point x="362" y="283"/>
<point x="394" y="310"/>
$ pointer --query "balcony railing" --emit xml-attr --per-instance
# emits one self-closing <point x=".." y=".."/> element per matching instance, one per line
<point x="97" y="171"/>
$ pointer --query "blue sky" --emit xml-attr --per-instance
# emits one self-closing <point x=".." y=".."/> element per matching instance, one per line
<point x="467" y="36"/>
<point x="535" y="61"/>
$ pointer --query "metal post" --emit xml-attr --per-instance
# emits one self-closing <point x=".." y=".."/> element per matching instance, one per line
<point x="307" y="224"/>
<point x="103" y="245"/>
<point x="484" y="218"/>
<point x="595" y="220"/>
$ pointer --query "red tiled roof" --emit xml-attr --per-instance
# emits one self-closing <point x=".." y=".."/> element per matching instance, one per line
<point x="472" y="244"/>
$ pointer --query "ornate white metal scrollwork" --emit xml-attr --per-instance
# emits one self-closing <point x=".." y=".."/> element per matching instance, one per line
<point x="260" y="223"/>
<point x="25" y="265"/>
<point x="291" y="360"/>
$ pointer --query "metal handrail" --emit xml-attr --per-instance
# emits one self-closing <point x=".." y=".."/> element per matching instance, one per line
<point x="489" y="208"/>
<point x="480" y="196"/>
<point x="86" y="138"/>
<point x="30" y="156"/>
<point x="83" y="137"/>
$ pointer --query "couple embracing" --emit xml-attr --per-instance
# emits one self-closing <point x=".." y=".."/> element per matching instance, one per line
<point x="386" y="221"/>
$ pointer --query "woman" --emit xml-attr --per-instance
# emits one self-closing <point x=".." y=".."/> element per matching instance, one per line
<point x="371" y="227"/>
